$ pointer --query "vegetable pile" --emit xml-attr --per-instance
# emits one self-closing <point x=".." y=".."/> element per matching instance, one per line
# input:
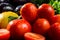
<point x="32" y="23"/>
<point x="54" y="3"/>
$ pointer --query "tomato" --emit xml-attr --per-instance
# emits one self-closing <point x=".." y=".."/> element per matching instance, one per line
<point x="45" y="11"/>
<point x="29" y="12"/>
<point x="4" y="34"/>
<point x="54" y="32"/>
<point x="55" y="18"/>
<point x="18" y="28"/>
<point x="33" y="36"/>
<point x="41" y="26"/>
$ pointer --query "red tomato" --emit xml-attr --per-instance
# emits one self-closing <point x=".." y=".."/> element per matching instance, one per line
<point x="55" y="18"/>
<point x="29" y="12"/>
<point x="41" y="26"/>
<point x="45" y="11"/>
<point x="54" y="32"/>
<point x="18" y="27"/>
<point x="33" y="36"/>
<point x="4" y="34"/>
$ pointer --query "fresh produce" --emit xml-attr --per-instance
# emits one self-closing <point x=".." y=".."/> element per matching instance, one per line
<point x="3" y="5"/>
<point x="55" y="18"/>
<point x="29" y="12"/>
<point x="33" y="36"/>
<point x="17" y="9"/>
<point x="7" y="8"/>
<point x="20" y="1"/>
<point x="56" y="5"/>
<point x="29" y="21"/>
<point x="1" y="1"/>
<point x="41" y="26"/>
<point x="45" y="11"/>
<point x="18" y="28"/>
<point x="6" y="17"/>
<point x="4" y="34"/>
<point x="54" y="32"/>
<point x="39" y="2"/>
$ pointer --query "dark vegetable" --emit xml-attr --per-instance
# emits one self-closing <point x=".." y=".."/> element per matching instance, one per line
<point x="7" y="8"/>
<point x="38" y="2"/>
<point x="17" y="9"/>
<point x="3" y="5"/>
<point x="1" y="1"/>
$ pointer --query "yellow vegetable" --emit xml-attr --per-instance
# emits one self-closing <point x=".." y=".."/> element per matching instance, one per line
<point x="6" y="17"/>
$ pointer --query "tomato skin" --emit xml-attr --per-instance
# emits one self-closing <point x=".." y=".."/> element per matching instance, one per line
<point x="45" y="11"/>
<point x="29" y="12"/>
<point x="4" y="34"/>
<point x="33" y="36"/>
<point x="55" y="18"/>
<point x="41" y="26"/>
<point x="54" y="32"/>
<point x="18" y="27"/>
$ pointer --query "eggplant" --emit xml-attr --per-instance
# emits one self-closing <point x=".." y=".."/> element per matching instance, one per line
<point x="6" y="7"/>
<point x="17" y="9"/>
<point x="4" y="1"/>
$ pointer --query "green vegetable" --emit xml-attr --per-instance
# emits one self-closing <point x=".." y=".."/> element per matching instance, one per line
<point x="56" y="5"/>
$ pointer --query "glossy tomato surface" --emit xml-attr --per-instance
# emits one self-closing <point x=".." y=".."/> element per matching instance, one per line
<point x="54" y="32"/>
<point x="18" y="28"/>
<point x="29" y="12"/>
<point x="55" y="18"/>
<point x="41" y="26"/>
<point x="45" y="11"/>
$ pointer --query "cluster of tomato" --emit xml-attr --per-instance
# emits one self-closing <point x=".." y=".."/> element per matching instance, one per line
<point x="36" y="24"/>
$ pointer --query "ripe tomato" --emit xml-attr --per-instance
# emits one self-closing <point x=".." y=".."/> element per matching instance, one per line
<point x="33" y="36"/>
<point x="18" y="27"/>
<point x="41" y="26"/>
<point x="54" y="32"/>
<point x="45" y="11"/>
<point x="29" y="12"/>
<point x="55" y="18"/>
<point x="4" y="34"/>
